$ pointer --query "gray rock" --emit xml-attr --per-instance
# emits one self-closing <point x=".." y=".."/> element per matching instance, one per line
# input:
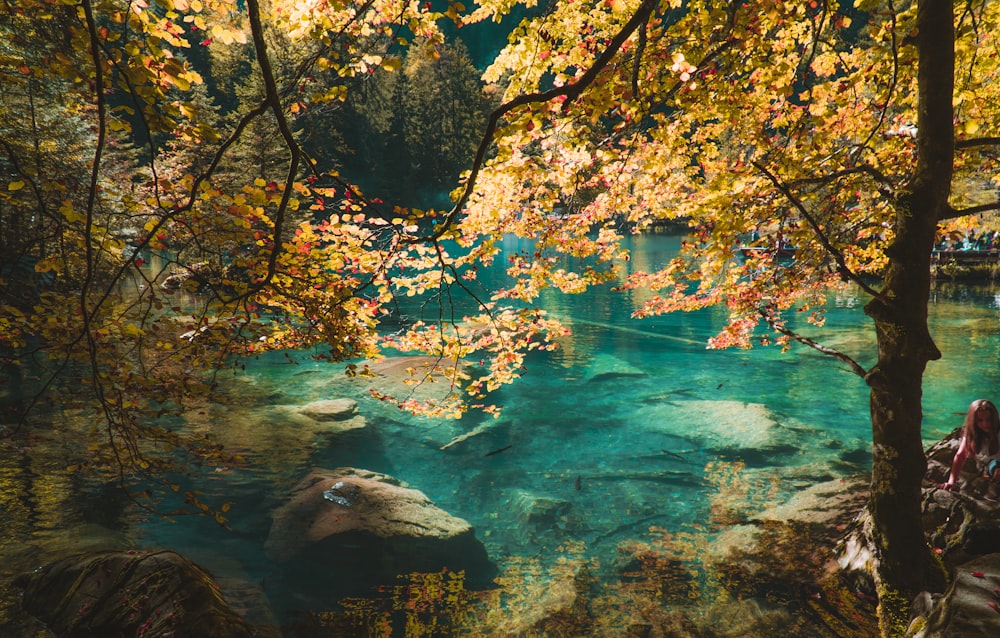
<point x="330" y="409"/>
<point x="362" y="527"/>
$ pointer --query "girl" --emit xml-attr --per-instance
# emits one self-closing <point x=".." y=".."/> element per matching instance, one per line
<point x="981" y="439"/>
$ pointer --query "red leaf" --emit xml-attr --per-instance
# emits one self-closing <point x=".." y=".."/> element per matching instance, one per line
<point x="977" y="574"/>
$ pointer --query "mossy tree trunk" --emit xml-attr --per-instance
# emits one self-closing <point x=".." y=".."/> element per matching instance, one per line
<point x="905" y="345"/>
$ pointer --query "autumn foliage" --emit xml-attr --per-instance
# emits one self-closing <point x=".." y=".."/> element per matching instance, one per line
<point x="178" y="137"/>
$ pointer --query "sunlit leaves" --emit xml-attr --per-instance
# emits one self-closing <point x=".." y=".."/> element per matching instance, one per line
<point x="794" y="89"/>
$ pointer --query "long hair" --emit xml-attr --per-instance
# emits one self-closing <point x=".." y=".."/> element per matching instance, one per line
<point x="977" y="438"/>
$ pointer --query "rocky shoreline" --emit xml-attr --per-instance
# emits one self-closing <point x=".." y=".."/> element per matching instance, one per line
<point x="778" y="569"/>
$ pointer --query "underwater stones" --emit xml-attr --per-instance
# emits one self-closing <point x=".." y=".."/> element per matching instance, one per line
<point x="606" y="367"/>
<point x="540" y="515"/>
<point x="655" y="567"/>
<point x="560" y="607"/>
<point x="332" y="416"/>
<point x="367" y="527"/>
<point x="725" y="425"/>
<point x="786" y="547"/>
<point x="330" y="409"/>
<point x="410" y="374"/>
<point x="149" y="594"/>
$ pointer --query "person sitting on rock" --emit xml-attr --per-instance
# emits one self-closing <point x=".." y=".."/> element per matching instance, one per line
<point x="980" y="439"/>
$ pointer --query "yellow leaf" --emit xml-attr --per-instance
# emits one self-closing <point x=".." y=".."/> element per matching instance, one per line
<point x="70" y="213"/>
<point x="15" y="186"/>
<point x="131" y="330"/>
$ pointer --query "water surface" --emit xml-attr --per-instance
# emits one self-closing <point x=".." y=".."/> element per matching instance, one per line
<point x="629" y="426"/>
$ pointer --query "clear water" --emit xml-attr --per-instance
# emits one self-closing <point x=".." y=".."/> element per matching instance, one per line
<point x="625" y="427"/>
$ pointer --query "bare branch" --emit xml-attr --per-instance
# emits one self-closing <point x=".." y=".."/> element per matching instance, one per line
<point x="971" y="210"/>
<point x="855" y="367"/>
<point x="838" y="256"/>
<point x="977" y="142"/>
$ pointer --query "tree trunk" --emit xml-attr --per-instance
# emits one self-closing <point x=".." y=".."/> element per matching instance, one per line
<point x="900" y="315"/>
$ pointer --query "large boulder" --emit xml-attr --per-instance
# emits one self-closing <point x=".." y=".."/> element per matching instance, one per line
<point x="363" y="529"/>
<point x="129" y="594"/>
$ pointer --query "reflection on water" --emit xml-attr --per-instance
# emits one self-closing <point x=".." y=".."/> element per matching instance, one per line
<point x="630" y="426"/>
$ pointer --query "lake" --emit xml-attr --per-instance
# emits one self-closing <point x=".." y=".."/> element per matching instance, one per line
<point x="631" y="429"/>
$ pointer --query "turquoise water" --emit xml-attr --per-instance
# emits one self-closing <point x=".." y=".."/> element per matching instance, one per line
<point x="625" y="427"/>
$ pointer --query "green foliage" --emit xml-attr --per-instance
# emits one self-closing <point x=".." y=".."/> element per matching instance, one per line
<point x="416" y="129"/>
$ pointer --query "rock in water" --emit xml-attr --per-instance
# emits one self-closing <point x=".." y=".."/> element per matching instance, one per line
<point x="330" y="409"/>
<point x="363" y="528"/>
<point x="148" y="594"/>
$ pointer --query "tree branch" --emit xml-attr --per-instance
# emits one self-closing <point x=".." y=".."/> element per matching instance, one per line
<point x="571" y="91"/>
<point x="977" y="142"/>
<point x="864" y="169"/>
<point x="971" y="210"/>
<point x="855" y="367"/>
<point x="842" y="266"/>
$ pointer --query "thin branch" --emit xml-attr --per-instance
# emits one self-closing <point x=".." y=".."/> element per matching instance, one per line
<point x="855" y="367"/>
<point x="863" y="169"/>
<point x="977" y="142"/>
<point x="893" y="79"/>
<point x="971" y="210"/>
<point x="838" y="256"/>
<point x="273" y="100"/>
<point x="571" y="91"/>
<point x="637" y="61"/>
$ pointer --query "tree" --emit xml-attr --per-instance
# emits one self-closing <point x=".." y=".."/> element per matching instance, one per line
<point x="284" y="252"/>
<point x="832" y="128"/>
<point x="414" y="131"/>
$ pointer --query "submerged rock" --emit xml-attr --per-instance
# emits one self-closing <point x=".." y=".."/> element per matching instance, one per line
<point x="148" y="594"/>
<point x="605" y="367"/>
<point x="731" y="426"/>
<point x="560" y="608"/>
<point x="330" y="409"/>
<point x="545" y="517"/>
<point x="363" y="528"/>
